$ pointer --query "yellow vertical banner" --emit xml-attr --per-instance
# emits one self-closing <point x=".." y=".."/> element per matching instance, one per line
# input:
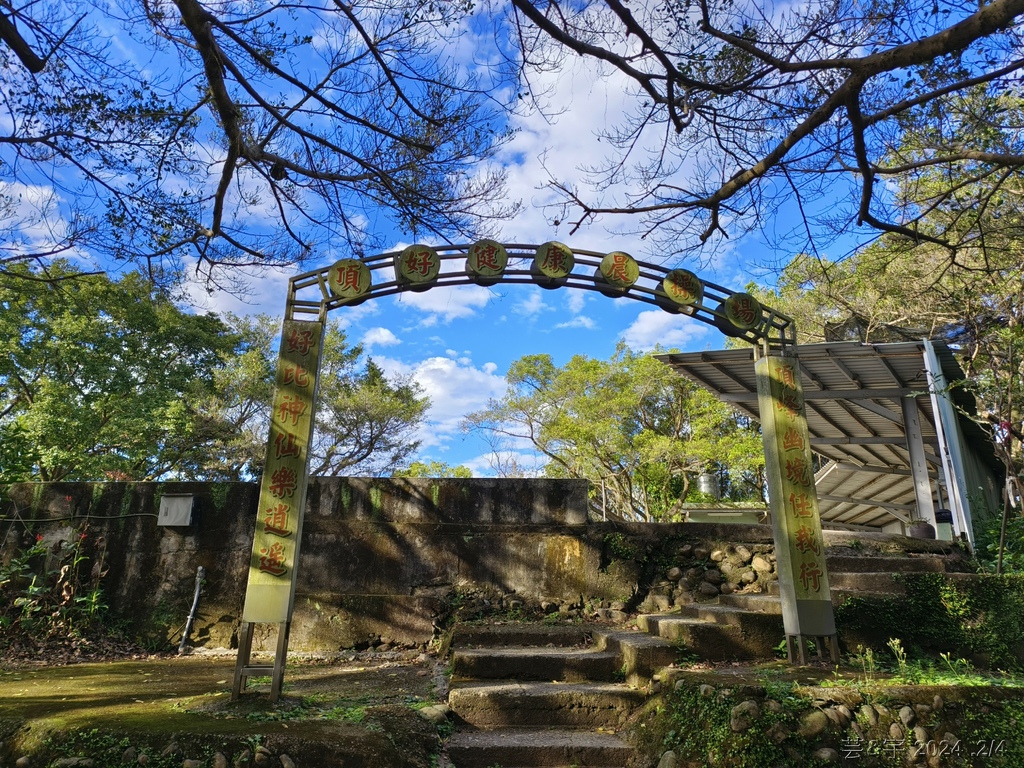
<point x="796" y="524"/>
<point x="275" y="549"/>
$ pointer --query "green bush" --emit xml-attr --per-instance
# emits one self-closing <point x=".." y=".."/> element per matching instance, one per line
<point x="982" y="618"/>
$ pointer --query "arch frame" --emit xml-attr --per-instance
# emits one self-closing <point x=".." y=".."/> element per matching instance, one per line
<point x="311" y="295"/>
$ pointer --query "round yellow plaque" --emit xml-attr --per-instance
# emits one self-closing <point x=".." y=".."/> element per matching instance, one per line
<point x="683" y="287"/>
<point x="417" y="264"/>
<point x="620" y="269"/>
<point x="349" y="278"/>
<point x="554" y="259"/>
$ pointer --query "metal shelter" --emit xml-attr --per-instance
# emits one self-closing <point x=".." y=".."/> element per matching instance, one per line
<point x="893" y="430"/>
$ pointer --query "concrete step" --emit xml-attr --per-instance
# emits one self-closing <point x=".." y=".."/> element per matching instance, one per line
<point x="721" y="641"/>
<point x="516" y="634"/>
<point x="716" y="613"/>
<point x="759" y="603"/>
<point x="881" y="583"/>
<point x="536" y="747"/>
<point x="563" y="705"/>
<point x="640" y="655"/>
<point x="567" y="664"/>
<point x="871" y="564"/>
<point x="574" y="654"/>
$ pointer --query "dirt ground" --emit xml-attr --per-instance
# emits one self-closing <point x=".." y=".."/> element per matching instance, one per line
<point x="352" y="710"/>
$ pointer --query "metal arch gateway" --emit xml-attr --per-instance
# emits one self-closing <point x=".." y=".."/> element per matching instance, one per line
<point x="270" y="591"/>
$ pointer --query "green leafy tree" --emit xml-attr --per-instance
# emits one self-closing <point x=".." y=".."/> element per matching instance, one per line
<point x="629" y="425"/>
<point x="365" y="423"/>
<point x="100" y="379"/>
<point x="433" y="469"/>
<point x="105" y="380"/>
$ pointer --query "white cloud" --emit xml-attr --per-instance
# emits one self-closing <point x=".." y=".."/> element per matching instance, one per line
<point x="380" y="337"/>
<point x="532" y="305"/>
<point x="575" y="301"/>
<point x="455" y="388"/>
<point x="580" y="321"/>
<point x="446" y="303"/>
<point x="655" y="327"/>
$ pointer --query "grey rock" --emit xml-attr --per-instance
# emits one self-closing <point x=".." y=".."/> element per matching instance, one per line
<point x="713" y="576"/>
<point x="436" y="714"/>
<point x="834" y="717"/>
<point x="708" y="590"/>
<point x="23" y="762"/>
<point x="727" y="588"/>
<point x="778" y="733"/>
<point x="761" y="565"/>
<point x="686" y="550"/>
<point x="845" y="713"/>
<point x="748" y="577"/>
<point x="718" y="555"/>
<point x="920" y="735"/>
<point x="773" y="706"/>
<point x="826" y="755"/>
<point x="669" y="760"/>
<point x="907" y="716"/>
<point x="693" y="575"/>
<point x="220" y="760"/>
<point x="130" y="755"/>
<point x="707" y="691"/>
<point x="143" y="759"/>
<point x="744" y="554"/>
<point x="812" y="724"/>
<point x="286" y="761"/>
<point x="868" y="715"/>
<point x="171" y="749"/>
<point x="743" y="715"/>
<point x="191" y="764"/>
<point x="243" y="759"/>
<point x="674" y="574"/>
<point x="895" y="731"/>
<point x="618" y="605"/>
<point x="619" y="617"/>
<point x="701" y="553"/>
<point x="937" y="703"/>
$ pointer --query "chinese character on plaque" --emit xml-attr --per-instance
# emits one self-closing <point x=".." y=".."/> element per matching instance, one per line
<point x="801" y="504"/>
<point x="300" y="341"/>
<point x="798" y="471"/>
<point x="289" y="409"/>
<point x="285" y="445"/>
<point x="792" y="440"/>
<point x="487" y="258"/>
<point x="810" y="576"/>
<point x="554" y="259"/>
<point x="620" y="269"/>
<point x="283" y="482"/>
<point x="743" y="310"/>
<point x="683" y="287"/>
<point x="806" y="541"/>
<point x="295" y="374"/>
<point x="275" y="520"/>
<point x="272" y="560"/>
<point x="418" y="264"/>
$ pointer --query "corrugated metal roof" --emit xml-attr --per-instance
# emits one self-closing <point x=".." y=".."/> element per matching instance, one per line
<point x="853" y="395"/>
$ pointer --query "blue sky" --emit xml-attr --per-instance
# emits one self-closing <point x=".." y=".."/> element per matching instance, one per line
<point x="457" y="343"/>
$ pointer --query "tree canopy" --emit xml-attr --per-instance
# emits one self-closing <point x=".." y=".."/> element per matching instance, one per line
<point x="630" y="425"/>
<point x="181" y="134"/>
<point x="737" y="108"/>
<point x="109" y="380"/>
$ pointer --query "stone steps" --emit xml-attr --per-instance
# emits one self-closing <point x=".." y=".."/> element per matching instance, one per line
<point x="531" y="748"/>
<point x="533" y="695"/>
<point x="571" y="705"/>
<point x="749" y="626"/>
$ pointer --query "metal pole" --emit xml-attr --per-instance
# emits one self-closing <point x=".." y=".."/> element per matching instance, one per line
<point x="200" y="575"/>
